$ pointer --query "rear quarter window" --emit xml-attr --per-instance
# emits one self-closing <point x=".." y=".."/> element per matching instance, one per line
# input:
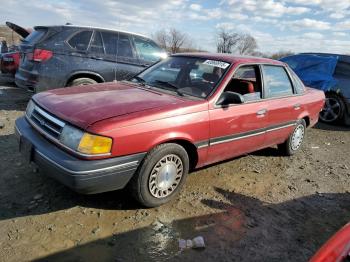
<point x="298" y="84"/>
<point x="81" y="40"/>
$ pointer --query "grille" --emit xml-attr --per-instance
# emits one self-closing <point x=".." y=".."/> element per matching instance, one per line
<point x="47" y="123"/>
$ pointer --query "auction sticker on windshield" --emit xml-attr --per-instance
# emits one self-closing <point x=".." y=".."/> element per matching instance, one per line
<point x="215" y="63"/>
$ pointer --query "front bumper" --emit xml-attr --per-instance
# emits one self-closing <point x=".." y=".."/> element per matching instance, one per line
<point x="82" y="176"/>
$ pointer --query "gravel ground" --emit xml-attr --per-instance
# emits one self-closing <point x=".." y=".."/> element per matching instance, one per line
<point x="259" y="207"/>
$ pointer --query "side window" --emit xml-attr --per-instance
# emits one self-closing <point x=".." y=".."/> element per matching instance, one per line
<point x="247" y="82"/>
<point x="148" y="50"/>
<point x="97" y="44"/>
<point x="342" y="68"/>
<point x="110" y="43"/>
<point x="117" y="46"/>
<point x="124" y="48"/>
<point x="81" y="40"/>
<point x="276" y="81"/>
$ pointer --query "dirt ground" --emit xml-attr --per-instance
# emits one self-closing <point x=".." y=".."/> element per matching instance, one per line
<point x="259" y="207"/>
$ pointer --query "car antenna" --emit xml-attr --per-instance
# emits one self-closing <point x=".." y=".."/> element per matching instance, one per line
<point x="116" y="58"/>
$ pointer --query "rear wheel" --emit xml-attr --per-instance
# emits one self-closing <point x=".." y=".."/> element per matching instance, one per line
<point x="295" y="140"/>
<point x="161" y="175"/>
<point x="82" y="82"/>
<point x="333" y="110"/>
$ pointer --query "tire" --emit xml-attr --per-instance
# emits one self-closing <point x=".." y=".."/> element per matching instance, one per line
<point x="154" y="184"/>
<point x="82" y="82"/>
<point x="333" y="110"/>
<point x="294" y="141"/>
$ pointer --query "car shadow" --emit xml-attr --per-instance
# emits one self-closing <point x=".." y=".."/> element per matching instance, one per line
<point x="23" y="183"/>
<point x="24" y="191"/>
<point x="242" y="229"/>
<point x="13" y="98"/>
<point x="8" y="80"/>
<point x="335" y="127"/>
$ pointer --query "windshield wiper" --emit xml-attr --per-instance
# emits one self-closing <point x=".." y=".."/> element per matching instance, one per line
<point x="139" y="80"/>
<point x="168" y="84"/>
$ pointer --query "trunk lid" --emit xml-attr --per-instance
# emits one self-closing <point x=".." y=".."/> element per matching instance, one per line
<point x="84" y="105"/>
<point x="28" y="45"/>
<point x="19" y="30"/>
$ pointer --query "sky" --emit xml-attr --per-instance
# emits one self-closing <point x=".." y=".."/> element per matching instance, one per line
<point x="290" y="25"/>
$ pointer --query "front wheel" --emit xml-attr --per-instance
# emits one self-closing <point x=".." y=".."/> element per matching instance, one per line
<point x="295" y="140"/>
<point x="82" y="82"/>
<point x="161" y="175"/>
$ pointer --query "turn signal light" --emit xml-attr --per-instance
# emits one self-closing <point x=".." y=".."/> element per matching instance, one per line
<point x="94" y="145"/>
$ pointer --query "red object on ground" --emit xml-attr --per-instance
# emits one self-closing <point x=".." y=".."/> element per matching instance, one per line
<point x="337" y="248"/>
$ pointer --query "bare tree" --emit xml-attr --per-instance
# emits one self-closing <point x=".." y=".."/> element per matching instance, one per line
<point x="226" y="41"/>
<point x="176" y="40"/>
<point x="246" y="45"/>
<point x="281" y="54"/>
<point x="161" y="37"/>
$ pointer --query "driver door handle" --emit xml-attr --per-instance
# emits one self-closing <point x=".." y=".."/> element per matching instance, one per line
<point x="297" y="106"/>
<point x="261" y="112"/>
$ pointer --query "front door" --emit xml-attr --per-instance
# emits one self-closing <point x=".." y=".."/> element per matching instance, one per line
<point x="239" y="129"/>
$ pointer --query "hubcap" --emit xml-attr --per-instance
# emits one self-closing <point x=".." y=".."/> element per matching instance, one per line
<point x="165" y="176"/>
<point x="331" y="110"/>
<point x="298" y="136"/>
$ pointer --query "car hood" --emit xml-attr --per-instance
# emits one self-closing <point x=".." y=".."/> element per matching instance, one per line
<point x="19" y="30"/>
<point x="84" y="105"/>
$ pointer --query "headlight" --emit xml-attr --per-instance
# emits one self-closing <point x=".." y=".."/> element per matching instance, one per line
<point x="30" y="108"/>
<point x="84" y="142"/>
<point x="71" y="137"/>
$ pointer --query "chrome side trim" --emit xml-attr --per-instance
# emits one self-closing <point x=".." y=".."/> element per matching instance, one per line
<point x="237" y="138"/>
<point x="116" y="167"/>
<point x="278" y="128"/>
<point x="230" y="138"/>
<point x="203" y="146"/>
<point x="19" y="132"/>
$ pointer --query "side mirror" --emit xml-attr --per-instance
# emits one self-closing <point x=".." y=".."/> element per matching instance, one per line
<point x="228" y="98"/>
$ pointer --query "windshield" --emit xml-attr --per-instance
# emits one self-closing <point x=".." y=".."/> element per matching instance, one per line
<point x="190" y="76"/>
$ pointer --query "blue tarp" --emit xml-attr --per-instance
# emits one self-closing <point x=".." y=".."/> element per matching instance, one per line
<point x="314" y="70"/>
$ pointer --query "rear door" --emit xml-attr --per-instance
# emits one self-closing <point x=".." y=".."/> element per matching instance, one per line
<point x="283" y="106"/>
<point x="119" y="50"/>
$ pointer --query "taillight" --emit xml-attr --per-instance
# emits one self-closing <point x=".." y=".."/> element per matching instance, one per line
<point x="41" y="55"/>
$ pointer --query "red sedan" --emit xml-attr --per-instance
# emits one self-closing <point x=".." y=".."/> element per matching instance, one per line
<point x="336" y="249"/>
<point x="182" y="113"/>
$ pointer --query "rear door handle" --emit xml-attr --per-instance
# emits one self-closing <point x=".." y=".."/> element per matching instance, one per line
<point x="261" y="112"/>
<point x="297" y="106"/>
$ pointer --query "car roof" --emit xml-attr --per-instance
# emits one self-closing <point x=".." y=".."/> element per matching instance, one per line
<point x="230" y="58"/>
<point x="343" y="58"/>
<point x="92" y="27"/>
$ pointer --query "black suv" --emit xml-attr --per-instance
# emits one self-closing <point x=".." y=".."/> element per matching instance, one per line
<point x="59" y="56"/>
